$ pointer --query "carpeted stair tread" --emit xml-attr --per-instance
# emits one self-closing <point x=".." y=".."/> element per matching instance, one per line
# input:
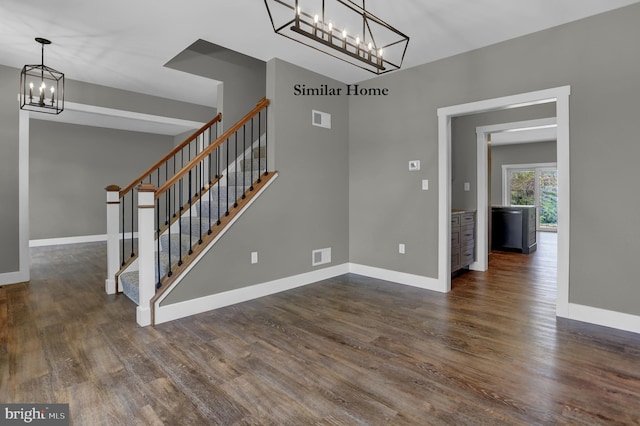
<point x="246" y="178"/>
<point x="176" y="241"/>
<point x="130" y="281"/>
<point x="196" y="225"/>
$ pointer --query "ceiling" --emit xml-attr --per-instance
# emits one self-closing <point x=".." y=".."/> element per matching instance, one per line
<point x="125" y="44"/>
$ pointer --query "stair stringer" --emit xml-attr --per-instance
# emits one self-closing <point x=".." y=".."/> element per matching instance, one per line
<point x="158" y="312"/>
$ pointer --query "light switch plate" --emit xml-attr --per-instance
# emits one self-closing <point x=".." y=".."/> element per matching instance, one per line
<point x="425" y="184"/>
<point x="254" y="257"/>
<point x="401" y="248"/>
<point x="414" y="165"/>
<point x="467" y="186"/>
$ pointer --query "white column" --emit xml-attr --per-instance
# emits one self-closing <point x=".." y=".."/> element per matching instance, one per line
<point x="146" y="252"/>
<point x="113" y="255"/>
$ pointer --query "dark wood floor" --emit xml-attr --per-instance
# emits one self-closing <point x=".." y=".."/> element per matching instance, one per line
<point x="347" y="351"/>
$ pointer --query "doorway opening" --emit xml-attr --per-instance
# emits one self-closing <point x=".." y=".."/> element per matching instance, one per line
<point x="560" y="96"/>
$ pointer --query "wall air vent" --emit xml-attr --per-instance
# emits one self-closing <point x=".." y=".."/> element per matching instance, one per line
<point x="321" y="119"/>
<point x="321" y="256"/>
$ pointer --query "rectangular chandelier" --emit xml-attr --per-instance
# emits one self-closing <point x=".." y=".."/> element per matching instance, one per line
<point x="342" y="29"/>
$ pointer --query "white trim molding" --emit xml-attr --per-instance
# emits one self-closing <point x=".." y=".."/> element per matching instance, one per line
<point x="24" y="262"/>
<point x="67" y="240"/>
<point x="207" y="303"/>
<point x="559" y="95"/>
<point x="603" y="317"/>
<point x="219" y="300"/>
<point x="58" y="241"/>
<point x="396" y="277"/>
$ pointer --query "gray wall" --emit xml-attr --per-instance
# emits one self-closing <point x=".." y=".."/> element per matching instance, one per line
<point x="599" y="58"/>
<point x="9" y="237"/>
<point x="244" y="77"/>
<point x="527" y="153"/>
<point x="70" y="165"/>
<point x="78" y="92"/>
<point x="304" y="209"/>
<point x="464" y="147"/>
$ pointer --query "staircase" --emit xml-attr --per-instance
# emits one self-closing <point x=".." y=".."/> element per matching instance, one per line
<point x="184" y="237"/>
<point x="183" y="203"/>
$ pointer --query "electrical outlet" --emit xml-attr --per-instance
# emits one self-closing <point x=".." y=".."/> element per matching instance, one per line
<point x="254" y="257"/>
<point x="401" y="248"/>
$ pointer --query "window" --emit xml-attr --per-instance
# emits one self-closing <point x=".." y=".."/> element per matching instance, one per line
<point x="533" y="185"/>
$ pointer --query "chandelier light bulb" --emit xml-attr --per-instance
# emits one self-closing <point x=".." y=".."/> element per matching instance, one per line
<point x="358" y="41"/>
<point x="330" y="27"/>
<point x="315" y="19"/>
<point x="344" y="34"/>
<point x="370" y="45"/>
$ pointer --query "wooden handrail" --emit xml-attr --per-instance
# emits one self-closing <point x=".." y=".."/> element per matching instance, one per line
<point x="171" y="153"/>
<point x="264" y="102"/>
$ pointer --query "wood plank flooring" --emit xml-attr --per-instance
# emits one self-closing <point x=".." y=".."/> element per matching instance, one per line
<point x="347" y="351"/>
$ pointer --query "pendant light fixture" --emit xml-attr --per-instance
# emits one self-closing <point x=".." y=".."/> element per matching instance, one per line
<point x="41" y="87"/>
<point x="342" y="29"/>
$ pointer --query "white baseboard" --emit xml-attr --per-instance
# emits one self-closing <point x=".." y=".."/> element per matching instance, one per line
<point x="215" y="301"/>
<point x="606" y="318"/>
<point x="14" y="277"/>
<point x="74" y="240"/>
<point x="397" y="277"/>
<point x="597" y="316"/>
<point x="67" y="240"/>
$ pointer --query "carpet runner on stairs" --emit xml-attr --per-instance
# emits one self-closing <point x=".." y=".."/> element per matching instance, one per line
<point x="204" y="214"/>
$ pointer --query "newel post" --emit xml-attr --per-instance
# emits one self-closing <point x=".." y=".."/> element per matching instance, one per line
<point x="113" y="255"/>
<point x="146" y="261"/>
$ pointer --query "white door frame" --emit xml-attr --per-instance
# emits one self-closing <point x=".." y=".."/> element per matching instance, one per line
<point x="559" y="95"/>
<point x="482" y="138"/>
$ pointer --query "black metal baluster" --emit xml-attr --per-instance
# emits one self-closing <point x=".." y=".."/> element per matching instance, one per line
<point x="244" y="158"/>
<point x="180" y="184"/>
<point x="200" y="205"/>
<point x="209" y="195"/>
<point x="266" y="141"/>
<point x="158" y="241"/>
<point x="235" y="187"/>
<point x="174" y="194"/>
<point x="189" y="215"/>
<point x="227" y="169"/>
<point x="122" y="217"/>
<point x="251" y="187"/>
<point x="259" y="146"/>
<point x="132" y="227"/>
<point x="218" y="184"/>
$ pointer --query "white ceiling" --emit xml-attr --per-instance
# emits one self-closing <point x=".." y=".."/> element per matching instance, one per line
<point x="124" y="44"/>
